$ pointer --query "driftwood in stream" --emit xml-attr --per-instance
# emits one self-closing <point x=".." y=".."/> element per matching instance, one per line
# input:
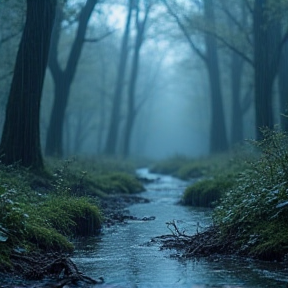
<point x="62" y="268"/>
<point x="205" y="243"/>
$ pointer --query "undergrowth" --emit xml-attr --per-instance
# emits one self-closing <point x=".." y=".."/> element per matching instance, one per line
<point x="207" y="191"/>
<point x="256" y="209"/>
<point x="187" y="168"/>
<point x="249" y="189"/>
<point x="44" y="212"/>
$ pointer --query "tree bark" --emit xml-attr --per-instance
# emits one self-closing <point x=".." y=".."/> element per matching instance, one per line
<point x="63" y="79"/>
<point x="112" y="137"/>
<point x="283" y="87"/>
<point x="266" y="57"/>
<point x="21" y="137"/>
<point x="218" y="137"/>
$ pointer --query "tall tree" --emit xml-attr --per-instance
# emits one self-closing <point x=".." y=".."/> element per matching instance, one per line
<point x="131" y="111"/>
<point x="113" y="131"/>
<point x="218" y="135"/>
<point x="283" y="86"/>
<point x="21" y="138"/>
<point x="237" y="114"/>
<point x="63" y="77"/>
<point x="267" y="46"/>
<point x="237" y="21"/>
<point x="267" y="39"/>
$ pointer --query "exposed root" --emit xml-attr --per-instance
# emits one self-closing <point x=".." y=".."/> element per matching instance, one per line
<point x="202" y="244"/>
<point x="60" y="267"/>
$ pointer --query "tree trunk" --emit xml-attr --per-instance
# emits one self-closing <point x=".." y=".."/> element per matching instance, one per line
<point x="63" y="79"/>
<point x="21" y="137"/>
<point x="218" y="137"/>
<point x="102" y="105"/>
<point x="237" y="64"/>
<point x="283" y="87"/>
<point x="140" y="26"/>
<point x="54" y="141"/>
<point x="112" y="137"/>
<point x="266" y="58"/>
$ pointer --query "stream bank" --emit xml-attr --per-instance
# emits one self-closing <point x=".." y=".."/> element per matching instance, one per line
<point x="135" y="261"/>
<point x="124" y="255"/>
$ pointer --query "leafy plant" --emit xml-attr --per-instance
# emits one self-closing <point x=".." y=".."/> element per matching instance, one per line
<point x="258" y="199"/>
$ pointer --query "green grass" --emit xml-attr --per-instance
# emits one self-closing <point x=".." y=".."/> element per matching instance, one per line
<point x="192" y="168"/>
<point x="256" y="208"/>
<point x="249" y="187"/>
<point x="46" y="211"/>
<point x="207" y="192"/>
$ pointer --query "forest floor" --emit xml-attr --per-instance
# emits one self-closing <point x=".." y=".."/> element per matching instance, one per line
<point x="59" y="266"/>
<point x="41" y="214"/>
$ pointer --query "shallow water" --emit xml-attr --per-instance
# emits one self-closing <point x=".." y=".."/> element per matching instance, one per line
<point x="124" y="256"/>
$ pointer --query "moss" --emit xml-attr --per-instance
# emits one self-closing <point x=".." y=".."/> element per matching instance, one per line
<point x="71" y="216"/>
<point x="100" y="179"/>
<point x="118" y="182"/>
<point x="48" y="239"/>
<point x="206" y="192"/>
<point x="44" y="210"/>
<point x="37" y="218"/>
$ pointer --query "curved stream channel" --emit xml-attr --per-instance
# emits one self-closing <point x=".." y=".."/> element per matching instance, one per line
<point x="124" y="257"/>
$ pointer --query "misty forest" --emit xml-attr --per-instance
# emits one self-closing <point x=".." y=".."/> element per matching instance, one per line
<point x="144" y="143"/>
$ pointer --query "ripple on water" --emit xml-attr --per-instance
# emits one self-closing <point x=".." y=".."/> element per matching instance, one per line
<point x="121" y="255"/>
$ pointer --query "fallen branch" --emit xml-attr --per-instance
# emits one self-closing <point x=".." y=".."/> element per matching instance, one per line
<point x="204" y="244"/>
<point x="36" y="266"/>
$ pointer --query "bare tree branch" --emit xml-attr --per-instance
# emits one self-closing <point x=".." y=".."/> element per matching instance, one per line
<point x="237" y="23"/>
<point x="94" y="40"/>
<point x="185" y="32"/>
<point x="233" y="48"/>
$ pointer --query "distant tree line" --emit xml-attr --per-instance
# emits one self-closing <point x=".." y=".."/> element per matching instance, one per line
<point x="248" y="35"/>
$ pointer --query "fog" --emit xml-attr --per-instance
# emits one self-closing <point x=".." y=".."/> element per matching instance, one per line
<point x="182" y="98"/>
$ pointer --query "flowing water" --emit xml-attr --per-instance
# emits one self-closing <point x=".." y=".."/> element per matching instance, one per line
<point x="124" y="256"/>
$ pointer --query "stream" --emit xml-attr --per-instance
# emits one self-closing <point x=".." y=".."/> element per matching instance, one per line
<point x="125" y="257"/>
